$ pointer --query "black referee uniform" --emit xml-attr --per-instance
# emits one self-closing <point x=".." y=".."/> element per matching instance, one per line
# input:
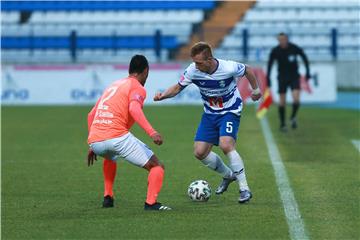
<point x="288" y="69"/>
<point x="288" y="74"/>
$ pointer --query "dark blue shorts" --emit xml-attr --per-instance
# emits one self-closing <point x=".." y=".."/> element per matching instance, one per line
<point x="214" y="126"/>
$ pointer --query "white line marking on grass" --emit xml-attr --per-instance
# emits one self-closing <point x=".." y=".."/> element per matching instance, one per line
<point x="292" y="213"/>
<point x="356" y="144"/>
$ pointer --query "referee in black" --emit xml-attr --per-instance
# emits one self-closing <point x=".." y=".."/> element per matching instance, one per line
<point x="286" y="54"/>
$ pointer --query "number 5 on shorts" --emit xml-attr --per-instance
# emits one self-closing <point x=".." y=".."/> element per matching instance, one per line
<point x="229" y="127"/>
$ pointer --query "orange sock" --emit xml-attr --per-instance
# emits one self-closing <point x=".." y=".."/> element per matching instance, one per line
<point x="155" y="180"/>
<point x="109" y="171"/>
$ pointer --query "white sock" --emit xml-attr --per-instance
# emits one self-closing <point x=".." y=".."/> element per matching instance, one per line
<point x="214" y="162"/>
<point x="237" y="166"/>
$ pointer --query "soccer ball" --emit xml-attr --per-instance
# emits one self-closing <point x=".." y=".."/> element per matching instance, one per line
<point x="199" y="191"/>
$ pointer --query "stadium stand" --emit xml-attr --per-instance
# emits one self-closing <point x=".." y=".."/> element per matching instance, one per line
<point x="217" y="25"/>
<point x="117" y="29"/>
<point x="111" y="31"/>
<point x="103" y="5"/>
<point x="327" y="30"/>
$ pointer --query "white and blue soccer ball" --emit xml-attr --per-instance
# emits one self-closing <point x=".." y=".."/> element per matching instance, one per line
<point x="199" y="191"/>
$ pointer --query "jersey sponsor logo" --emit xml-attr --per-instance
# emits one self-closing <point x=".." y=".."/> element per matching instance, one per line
<point x="105" y="114"/>
<point x="182" y="78"/>
<point x="214" y="83"/>
<point x="235" y="108"/>
<point x="292" y="58"/>
<point x="222" y="83"/>
<point x="214" y="92"/>
<point x="103" y="121"/>
<point x="138" y="97"/>
<point x="216" y="102"/>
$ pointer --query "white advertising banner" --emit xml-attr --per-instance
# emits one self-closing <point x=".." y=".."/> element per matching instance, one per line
<point x="83" y="84"/>
<point x="320" y="88"/>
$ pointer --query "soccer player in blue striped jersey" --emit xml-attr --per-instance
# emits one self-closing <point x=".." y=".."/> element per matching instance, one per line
<point x="217" y="82"/>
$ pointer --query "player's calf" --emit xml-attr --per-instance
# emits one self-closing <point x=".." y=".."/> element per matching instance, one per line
<point x="155" y="180"/>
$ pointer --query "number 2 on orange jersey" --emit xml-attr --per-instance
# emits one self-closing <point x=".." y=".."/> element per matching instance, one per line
<point x="110" y="91"/>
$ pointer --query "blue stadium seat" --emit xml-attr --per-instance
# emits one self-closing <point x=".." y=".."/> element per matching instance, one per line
<point x="100" y="26"/>
<point x="139" y="42"/>
<point x="308" y="24"/>
<point x="103" y="5"/>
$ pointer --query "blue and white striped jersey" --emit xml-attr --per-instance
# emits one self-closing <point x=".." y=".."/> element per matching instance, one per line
<point x="219" y="90"/>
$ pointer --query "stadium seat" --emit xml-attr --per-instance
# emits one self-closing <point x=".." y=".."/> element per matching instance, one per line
<point x="103" y="5"/>
<point x="308" y="24"/>
<point x="89" y="42"/>
<point x="97" y="23"/>
<point x="10" y="17"/>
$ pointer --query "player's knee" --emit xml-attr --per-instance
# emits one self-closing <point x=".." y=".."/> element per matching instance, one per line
<point x="200" y="154"/>
<point x="159" y="164"/>
<point x="154" y="162"/>
<point x="226" y="147"/>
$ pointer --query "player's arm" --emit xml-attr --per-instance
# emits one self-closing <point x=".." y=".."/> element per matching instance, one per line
<point x="135" y="109"/>
<point x="269" y="66"/>
<point x="256" y="94"/>
<point x="168" y="93"/>
<point x="137" y="97"/>
<point x="91" y="156"/>
<point x="306" y="62"/>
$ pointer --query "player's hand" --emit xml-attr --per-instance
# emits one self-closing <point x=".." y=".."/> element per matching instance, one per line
<point x="91" y="157"/>
<point x="256" y="97"/>
<point x="256" y="94"/>
<point x="157" y="139"/>
<point x="307" y="77"/>
<point x="158" y="96"/>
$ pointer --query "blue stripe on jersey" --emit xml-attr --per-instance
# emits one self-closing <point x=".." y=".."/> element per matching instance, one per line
<point x="228" y="96"/>
<point x="225" y="98"/>
<point x="235" y="106"/>
<point x="206" y="83"/>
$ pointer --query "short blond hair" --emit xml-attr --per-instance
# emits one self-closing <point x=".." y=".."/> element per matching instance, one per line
<point x="201" y="47"/>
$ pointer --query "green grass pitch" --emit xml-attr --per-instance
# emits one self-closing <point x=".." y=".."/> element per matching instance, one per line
<point x="48" y="192"/>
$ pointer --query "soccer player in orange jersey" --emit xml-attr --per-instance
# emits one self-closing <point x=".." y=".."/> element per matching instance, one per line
<point x="109" y="122"/>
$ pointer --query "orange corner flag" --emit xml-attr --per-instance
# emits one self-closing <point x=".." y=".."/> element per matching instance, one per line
<point x="264" y="106"/>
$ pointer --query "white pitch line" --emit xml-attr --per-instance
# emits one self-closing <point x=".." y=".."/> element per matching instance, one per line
<point x="356" y="143"/>
<point x="292" y="213"/>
